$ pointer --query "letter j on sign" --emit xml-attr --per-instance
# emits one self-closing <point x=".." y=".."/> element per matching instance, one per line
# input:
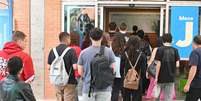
<point x="184" y="26"/>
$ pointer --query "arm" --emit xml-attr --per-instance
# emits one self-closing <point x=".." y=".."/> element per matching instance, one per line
<point x="158" y="58"/>
<point x="158" y="66"/>
<point x="191" y="76"/>
<point x="80" y="64"/>
<point x="28" y="74"/>
<point x="193" y="61"/>
<point x="177" y="64"/>
<point x="152" y="56"/>
<point x="80" y="70"/>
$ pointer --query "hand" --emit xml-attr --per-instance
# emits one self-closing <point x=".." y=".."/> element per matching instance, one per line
<point x="147" y="75"/>
<point x="155" y="81"/>
<point x="186" y="88"/>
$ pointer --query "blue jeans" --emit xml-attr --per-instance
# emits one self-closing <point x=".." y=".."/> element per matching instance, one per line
<point x="98" y="96"/>
<point x="167" y="88"/>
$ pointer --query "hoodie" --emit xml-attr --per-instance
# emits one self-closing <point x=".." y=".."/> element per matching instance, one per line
<point x="13" y="49"/>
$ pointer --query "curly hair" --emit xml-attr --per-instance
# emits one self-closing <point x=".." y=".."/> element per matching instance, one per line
<point x="118" y="44"/>
<point x="132" y="47"/>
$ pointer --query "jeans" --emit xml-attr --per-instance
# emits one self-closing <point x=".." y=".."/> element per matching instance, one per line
<point x="193" y="95"/>
<point x="167" y="88"/>
<point x="98" y="96"/>
<point x="66" y="93"/>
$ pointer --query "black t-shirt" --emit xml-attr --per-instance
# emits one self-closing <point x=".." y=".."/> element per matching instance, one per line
<point x="168" y="56"/>
<point x="69" y="59"/>
<point x="196" y="61"/>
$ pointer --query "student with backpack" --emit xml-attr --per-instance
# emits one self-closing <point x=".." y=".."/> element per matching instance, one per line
<point x="134" y="69"/>
<point x="62" y="60"/>
<point x="15" y="48"/>
<point x="96" y="64"/>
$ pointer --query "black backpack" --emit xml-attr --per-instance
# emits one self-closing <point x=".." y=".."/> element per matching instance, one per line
<point x="101" y="72"/>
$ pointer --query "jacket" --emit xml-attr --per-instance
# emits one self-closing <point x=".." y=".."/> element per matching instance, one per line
<point x="13" y="49"/>
<point x="13" y="89"/>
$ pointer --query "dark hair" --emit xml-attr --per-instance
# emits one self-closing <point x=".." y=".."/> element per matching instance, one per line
<point x="18" y="35"/>
<point x="140" y="33"/>
<point x="197" y="40"/>
<point x="63" y="36"/>
<point x="135" y="28"/>
<point x="75" y="37"/>
<point x="15" y="64"/>
<point x="88" y="28"/>
<point x="96" y="34"/>
<point x="118" y="44"/>
<point x="132" y="47"/>
<point x="159" y="42"/>
<point x="112" y="26"/>
<point x="105" y="40"/>
<point x="123" y="26"/>
<point x="167" y="38"/>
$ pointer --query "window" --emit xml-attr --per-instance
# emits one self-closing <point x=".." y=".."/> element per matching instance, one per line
<point x="76" y="17"/>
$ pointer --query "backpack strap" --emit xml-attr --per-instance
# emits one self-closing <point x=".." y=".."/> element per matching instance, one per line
<point x="138" y="58"/>
<point x="55" y="52"/>
<point x="65" y="51"/>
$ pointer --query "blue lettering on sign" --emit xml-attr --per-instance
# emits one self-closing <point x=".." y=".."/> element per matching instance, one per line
<point x="184" y="26"/>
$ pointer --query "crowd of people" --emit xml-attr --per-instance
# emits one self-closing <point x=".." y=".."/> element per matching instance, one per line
<point x="112" y="66"/>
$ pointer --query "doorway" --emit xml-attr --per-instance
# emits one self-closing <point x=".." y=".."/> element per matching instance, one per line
<point x="147" y="19"/>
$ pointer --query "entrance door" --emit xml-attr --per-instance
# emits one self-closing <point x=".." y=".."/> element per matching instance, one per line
<point x="147" y="19"/>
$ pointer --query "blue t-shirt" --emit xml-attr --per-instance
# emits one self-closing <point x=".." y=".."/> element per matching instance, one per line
<point x="195" y="60"/>
<point x="85" y="59"/>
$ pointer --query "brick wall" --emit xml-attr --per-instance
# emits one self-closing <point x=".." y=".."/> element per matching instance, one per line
<point x="52" y="28"/>
<point x="21" y="13"/>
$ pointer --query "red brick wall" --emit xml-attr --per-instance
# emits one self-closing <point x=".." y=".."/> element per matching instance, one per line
<point x="21" y="16"/>
<point x="52" y="28"/>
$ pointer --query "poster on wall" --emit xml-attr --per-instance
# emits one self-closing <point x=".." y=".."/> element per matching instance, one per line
<point x="184" y="26"/>
<point x="5" y="21"/>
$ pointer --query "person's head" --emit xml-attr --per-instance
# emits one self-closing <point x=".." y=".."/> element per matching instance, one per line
<point x="123" y="27"/>
<point x="106" y="40"/>
<point x="196" y="41"/>
<point x="64" y="38"/>
<point x="167" y="38"/>
<point x="74" y="37"/>
<point x="96" y="34"/>
<point x="15" y="65"/>
<point x="20" y="38"/>
<point x="118" y="43"/>
<point x="88" y="28"/>
<point x="159" y="42"/>
<point x="135" y="28"/>
<point x="133" y="45"/>
<point x="140" y="33"/>
<point x="112" y="26"/>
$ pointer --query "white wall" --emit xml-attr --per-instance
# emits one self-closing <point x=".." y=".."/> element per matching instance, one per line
<point x="37" y="45"/>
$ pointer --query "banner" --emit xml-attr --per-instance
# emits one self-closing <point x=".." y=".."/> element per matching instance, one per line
<point x="184" y="26"/>
<point x="5" y="21"/>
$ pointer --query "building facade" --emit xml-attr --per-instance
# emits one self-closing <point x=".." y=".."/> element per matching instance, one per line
<point x="43" y="20"/>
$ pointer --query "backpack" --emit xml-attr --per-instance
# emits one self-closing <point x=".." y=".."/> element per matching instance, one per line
<point x="101" y="72"/>
<point x="132" y="78"/>
<point x="3" y="65"/>
<point x="58" y="74"/>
